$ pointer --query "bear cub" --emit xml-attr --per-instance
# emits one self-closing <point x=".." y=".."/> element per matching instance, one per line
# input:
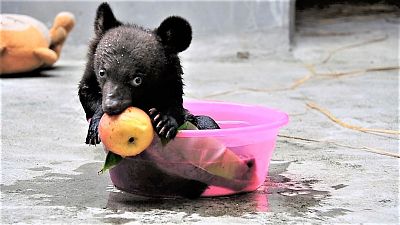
<point x="129" y="65"/>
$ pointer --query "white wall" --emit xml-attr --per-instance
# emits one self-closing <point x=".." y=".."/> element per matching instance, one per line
<point x="242" y="25"/>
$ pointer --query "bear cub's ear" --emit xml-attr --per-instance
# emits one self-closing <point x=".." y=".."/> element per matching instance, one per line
<point x="175" y="33"/>
<point x="105" y="19"/>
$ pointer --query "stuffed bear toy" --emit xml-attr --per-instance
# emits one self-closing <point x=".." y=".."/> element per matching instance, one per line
<point x="26" y="44"/>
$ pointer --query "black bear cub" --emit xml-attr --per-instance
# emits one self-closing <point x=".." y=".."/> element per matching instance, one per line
<point x="129" y="65"/>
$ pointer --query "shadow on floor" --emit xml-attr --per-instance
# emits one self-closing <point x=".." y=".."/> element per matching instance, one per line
<point x="38" y="73"/>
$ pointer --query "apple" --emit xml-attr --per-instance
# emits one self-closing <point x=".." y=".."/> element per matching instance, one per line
<point x="128" y="133"/>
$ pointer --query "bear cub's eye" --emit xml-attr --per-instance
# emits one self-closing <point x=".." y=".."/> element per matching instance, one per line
<point x="137" y="81"/>
<point x="102" y="73"/>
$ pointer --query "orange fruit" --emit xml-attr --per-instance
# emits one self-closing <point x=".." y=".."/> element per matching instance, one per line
<point x="128" y="133"/>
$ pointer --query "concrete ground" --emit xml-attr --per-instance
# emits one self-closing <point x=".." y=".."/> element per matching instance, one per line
<point x="322" y="172"/>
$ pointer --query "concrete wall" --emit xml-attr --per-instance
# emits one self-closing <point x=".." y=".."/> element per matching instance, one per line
<point x="235" y="21"/>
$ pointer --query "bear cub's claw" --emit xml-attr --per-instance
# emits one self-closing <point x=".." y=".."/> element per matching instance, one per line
<point x="92" y="137"/>
<point x="165" y="126"/>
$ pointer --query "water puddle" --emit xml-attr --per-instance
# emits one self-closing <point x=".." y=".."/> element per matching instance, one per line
<point x="277" y="194"/>
<point x="87" y="189"/>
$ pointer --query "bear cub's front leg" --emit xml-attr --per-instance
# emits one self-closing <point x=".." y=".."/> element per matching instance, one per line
<point x="92" y="137"/>
<point x="166" y="126"/>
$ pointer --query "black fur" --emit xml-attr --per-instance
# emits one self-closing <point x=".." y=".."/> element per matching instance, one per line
<point x="126" y="52"/>
<point x="129" y="65"/>
<point x="175" y="34"/>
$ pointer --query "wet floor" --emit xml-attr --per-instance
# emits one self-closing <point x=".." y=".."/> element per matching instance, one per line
<point x="277" y="194"/>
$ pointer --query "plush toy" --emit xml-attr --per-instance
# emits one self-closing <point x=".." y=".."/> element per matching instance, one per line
<point x="26" y="44"/>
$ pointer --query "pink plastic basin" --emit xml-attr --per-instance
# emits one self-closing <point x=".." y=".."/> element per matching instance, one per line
<point x="229" y="160"/>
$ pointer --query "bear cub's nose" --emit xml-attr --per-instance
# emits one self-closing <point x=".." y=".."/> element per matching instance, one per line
<point x="115" y="107"/>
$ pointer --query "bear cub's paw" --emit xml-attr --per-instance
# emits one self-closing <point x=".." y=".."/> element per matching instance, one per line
<point x="92" y="137"/>
<point x="165" y="126"/>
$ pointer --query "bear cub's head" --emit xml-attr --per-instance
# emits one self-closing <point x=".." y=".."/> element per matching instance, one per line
<point x="138" y="67"/>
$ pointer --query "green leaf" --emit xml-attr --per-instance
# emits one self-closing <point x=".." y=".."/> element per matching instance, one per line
<point x="112" y="160"/>
<point x="187" y="126"/>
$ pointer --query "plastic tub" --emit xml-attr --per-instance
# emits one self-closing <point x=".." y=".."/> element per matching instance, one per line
<point x="220" y="162"/>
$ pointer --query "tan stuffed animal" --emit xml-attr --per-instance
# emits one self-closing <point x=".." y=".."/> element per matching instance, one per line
<point x="26" y="44"/>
